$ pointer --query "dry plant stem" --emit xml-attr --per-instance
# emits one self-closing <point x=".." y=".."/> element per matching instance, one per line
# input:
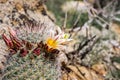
<point x="82" y="45"/>
<point x="88" y="49"/>
<point x="76" y="21"/>
<point x="84" y="48"/>
<point x="65" y="21"/>
<point x="98" y="3"/>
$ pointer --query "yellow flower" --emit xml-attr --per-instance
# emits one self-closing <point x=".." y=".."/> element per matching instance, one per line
<point x="52" y="43"/>
<point x="66" y="36"/>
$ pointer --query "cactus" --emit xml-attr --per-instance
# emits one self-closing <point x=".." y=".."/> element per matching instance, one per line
<point x="29" y="57"/>
<point x="33" y="51"/>
<point x="24" y="68"/>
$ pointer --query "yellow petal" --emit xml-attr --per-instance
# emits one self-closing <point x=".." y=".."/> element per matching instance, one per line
<point x="52" y="43"/>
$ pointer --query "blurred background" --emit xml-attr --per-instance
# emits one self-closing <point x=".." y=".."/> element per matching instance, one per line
<point x="106" y="9"/>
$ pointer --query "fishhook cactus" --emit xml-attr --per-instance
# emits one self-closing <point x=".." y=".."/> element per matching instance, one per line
<point x="32" y="52"/>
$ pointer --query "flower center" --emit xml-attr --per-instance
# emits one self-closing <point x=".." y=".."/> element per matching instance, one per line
<point x="52" y="43"/>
